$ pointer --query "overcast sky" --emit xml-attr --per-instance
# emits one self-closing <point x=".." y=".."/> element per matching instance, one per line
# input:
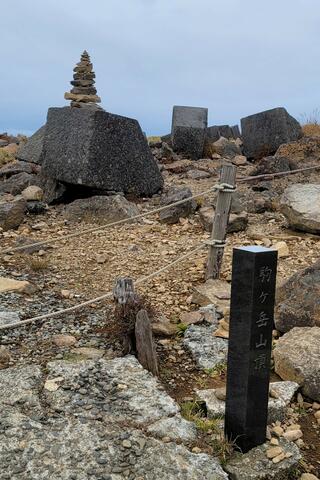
<point x="236" y="57"/>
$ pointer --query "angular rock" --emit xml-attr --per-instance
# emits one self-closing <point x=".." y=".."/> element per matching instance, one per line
<point x="36" y="208"/>
<point x="198" y="174"/>
<point x="99" y="150"/>
<point x="300" y="205"/>
<point x="179" y="166"/>
<point x="237" y="222"/>
<point x="183" y="210"/>
<point x="214" y="292"/>
<point x="255" y="465"/>
<point x="298" y="300"/>
<point x="12" y="213"/>
<point x="32" y="193"/>
<point x="32" y="150"/>
<point x="188" y="131"/>
<point x="236" y="131"/>
<point x="16" y="167"/>
<point x="18" y="286"/>
<point x="273" y="164"/>
<point x="296" y="358"/>
<point x="226" y="148"/>
<point x="17" y="183"/>
<point x="207" y="350"/>
<point x="100" y="208"/>
<point x="264" y="132"/>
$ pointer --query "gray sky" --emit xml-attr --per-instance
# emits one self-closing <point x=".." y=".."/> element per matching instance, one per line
<point x="236" y="57"/>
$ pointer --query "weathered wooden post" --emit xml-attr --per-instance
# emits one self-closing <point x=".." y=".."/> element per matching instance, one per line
<point x="220" y="223"/>
<point x="126" y="300"/>
<point x="144" y="343"/>
<point x="250" y="341"/>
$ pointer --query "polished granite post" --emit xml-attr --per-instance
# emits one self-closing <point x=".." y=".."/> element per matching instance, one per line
<point x="250" y="342"/>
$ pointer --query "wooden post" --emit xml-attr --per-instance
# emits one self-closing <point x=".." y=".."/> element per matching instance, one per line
<point x="144" y="343"/>
<point x="126" y="301"/>
<point x="220" y="223"/>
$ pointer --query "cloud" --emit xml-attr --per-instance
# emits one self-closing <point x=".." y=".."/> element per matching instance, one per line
<point x="235" y="57"/>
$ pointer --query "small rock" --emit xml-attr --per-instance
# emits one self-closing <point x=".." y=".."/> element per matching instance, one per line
<point x="282" y="249"/>
<point x="126" y="444"/>
<point x="279" y="458"/>
<point x="278" y="431"/>
<point x="65" y="293"/>
<point x="101" y="258"/>
<point x="32" y="193"/>
<point x="53" y="384"/>
<point x="274" y="442"/>
<point x="64" y="340"/>
<point x="308" y="476"/>
<point x="273" y="452"/>
<point x="10" y="285"/>
<point x="239" y="160"/>
<point x="191" y="318"/>
<point x="292" y="435"/>
<point x="221" y="393"/>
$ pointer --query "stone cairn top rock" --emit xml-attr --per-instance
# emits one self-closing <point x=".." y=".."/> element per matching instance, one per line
<point x="83" y="93"/>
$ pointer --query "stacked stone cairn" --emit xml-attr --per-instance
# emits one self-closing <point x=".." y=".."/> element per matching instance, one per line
<point x="83" y="93"/>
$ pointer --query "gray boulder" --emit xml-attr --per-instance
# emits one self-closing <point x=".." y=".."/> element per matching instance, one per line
<point x="32" y="150"/>
<point x="264" y="132"/>
<point x="97" y="149"/>
<point x="296" y="358"/>
<point x="236" y="131"/>
<point x="298" y="302"/>
<point x="173" y="214"/>
<point x="300" y="205"/>
<point x="189" y="125"/>
<point x="100" y="209"/>
<point x="12" y="213"/>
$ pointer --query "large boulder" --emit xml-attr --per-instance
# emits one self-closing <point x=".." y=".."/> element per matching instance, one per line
<point x="100" y="209"/>
<point x="32" y="150"/>
<point x="264" y="132"/>
<point x="12" y="212"/>
<point x="300" y="205"/>
<point x="296" y="358"/>
<point x="188" y="131"/>
<point x="298" y="303"/>
<point x="96" y="149"/>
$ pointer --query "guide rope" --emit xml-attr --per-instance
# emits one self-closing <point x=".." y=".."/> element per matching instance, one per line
<point x="101" y="297"/>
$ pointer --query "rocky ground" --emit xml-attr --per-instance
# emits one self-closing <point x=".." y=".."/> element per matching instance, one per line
<point x="70" y="408"/>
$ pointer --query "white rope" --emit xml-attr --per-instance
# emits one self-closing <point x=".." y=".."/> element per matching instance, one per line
<point x="109" y="225"/>
<point x="102" y="297"/>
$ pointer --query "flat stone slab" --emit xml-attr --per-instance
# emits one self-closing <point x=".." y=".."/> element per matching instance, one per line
<point x="90" y="423"/>
<point x="255" y="465"/>
<point x="207" y="350"/>
<point x="276" y="406"/>
<point x="300" y="205"/>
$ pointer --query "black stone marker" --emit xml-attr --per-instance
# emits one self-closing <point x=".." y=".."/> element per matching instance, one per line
<point x="250" y="341"/>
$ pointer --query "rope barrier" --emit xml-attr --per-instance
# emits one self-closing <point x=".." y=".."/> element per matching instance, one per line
<point x="113" y="224"/>
<point x="102" y="297"/>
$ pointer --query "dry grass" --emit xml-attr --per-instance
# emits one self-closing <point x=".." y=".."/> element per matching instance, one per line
<point x="5" y="157"/>
<point x="37" y="263"/>
<point x="311" y="130"/>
